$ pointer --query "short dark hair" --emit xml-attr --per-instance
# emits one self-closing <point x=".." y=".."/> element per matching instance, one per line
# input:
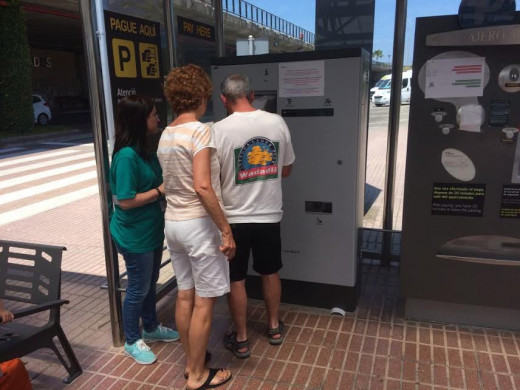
<point x="131" y="124"/>
<point x="236" y="86"/>
<point x="185" y="88"/>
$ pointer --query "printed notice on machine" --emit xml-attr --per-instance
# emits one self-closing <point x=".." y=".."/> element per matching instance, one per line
<point x="306" y="78"/>
<point x="455" y="78"/>
<point x="510" y="207"/>
<point x="463" y="200"/>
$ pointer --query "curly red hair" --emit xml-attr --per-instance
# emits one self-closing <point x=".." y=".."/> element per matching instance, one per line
<point x="185" y="88"/>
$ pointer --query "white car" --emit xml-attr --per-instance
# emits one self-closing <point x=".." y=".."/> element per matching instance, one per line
<point x="42" y="112"/>
<point x="382" y="95"/>
<point x="380" y="84"/>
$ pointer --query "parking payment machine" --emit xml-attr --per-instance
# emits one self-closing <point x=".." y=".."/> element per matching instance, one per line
<point x="461" y="222"/>
<point x="323" y="97"/>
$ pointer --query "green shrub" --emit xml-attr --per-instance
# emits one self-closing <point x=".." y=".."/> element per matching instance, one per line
<point x="16" y="111"/>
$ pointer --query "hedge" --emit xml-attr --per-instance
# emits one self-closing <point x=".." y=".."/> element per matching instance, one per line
<point x="16" y="111"/>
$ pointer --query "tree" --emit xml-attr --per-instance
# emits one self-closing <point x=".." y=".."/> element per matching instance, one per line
<point x="16" y="109"/>
<point x="377" y="54"/>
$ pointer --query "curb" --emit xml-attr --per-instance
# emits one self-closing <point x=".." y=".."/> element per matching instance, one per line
<point x="30" y="138"/>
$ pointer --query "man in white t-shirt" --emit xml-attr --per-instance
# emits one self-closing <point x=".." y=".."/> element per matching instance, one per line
<point x="255" y="151"/>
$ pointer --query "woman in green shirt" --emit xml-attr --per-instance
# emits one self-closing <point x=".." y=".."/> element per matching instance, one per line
<point x="137" y="225"/>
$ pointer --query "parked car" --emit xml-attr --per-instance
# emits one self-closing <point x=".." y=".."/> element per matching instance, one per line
<point x="42" y="112"/>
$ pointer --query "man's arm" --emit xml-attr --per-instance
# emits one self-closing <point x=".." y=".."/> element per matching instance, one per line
<point x="288" y="157"/>
<point x="286" y="170"/>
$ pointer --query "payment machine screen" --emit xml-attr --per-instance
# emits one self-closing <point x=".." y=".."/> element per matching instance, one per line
<point x="266" y="100"/>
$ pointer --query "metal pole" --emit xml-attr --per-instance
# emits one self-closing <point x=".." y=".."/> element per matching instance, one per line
<point x="393" y="126"/>
<point x="99" y="122"/>
<point x="219" y="28"/>
<point x="170" y="33"/>
<point x="250" y="43"/>
<point x="103" y="57"/>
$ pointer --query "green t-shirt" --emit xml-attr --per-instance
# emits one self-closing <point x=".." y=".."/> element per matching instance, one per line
<point x="140" y="229"/>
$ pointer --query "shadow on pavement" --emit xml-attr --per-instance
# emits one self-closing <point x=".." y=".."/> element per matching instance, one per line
<point x="371" y="194"/>
<point x="76" y="119"/>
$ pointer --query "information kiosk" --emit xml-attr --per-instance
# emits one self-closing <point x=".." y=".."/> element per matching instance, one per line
<point x="461" y="222"/>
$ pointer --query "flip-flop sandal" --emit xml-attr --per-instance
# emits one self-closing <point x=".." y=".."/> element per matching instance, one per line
<point x="207" y="384"/>
<point x="207" y="358"/>
<point x="231" y="343"/>
<point x="280" y="330"/>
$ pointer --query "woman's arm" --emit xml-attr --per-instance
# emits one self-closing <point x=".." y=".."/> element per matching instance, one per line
<point x="142" y="198"/>
<point x="5" y="315"/>
<point x="208" y="198"/>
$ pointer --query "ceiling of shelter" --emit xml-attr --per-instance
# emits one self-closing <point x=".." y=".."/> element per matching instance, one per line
<point x="53" y="24"/>
<point x="64" y="5"/>
<point x="52" y="27"/>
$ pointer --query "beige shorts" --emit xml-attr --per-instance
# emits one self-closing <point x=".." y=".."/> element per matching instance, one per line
<point x="196" y="258"/>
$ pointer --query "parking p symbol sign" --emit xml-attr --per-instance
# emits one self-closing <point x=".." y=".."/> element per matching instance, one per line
<point x="124" y="58"/>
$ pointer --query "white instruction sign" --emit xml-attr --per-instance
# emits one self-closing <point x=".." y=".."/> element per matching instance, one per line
<point x="455" y="78"/>
<point x="306" y="78"/>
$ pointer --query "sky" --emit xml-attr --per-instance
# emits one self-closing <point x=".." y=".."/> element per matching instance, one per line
<point x="303" y="12"/>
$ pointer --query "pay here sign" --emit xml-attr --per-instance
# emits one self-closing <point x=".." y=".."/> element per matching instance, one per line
<point x="133" y="46"/>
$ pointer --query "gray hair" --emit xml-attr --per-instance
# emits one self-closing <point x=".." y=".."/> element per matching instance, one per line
<point x="236" y="86"/>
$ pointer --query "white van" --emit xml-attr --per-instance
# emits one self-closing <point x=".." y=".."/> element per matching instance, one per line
<point x="383" y="94"/>
<point x="382" y="82"/>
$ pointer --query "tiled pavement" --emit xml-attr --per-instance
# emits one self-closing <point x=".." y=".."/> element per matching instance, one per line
<point x="375" y="178"/>
<point x="376" y="166"/>
<point x="371" y="348"/>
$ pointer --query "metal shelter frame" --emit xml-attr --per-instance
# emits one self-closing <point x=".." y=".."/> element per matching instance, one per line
<point x="92" y="36"/>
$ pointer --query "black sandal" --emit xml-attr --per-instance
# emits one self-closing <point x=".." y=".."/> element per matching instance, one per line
<point x="279" y="330"/>
<point x="207" y="358"/>
<point x="207" y="384"/>
<point x="231" y="343"/>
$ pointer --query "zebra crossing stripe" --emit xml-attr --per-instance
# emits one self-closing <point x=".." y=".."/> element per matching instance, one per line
<point x="34" y="157"/>
<point x="44" y="174"/>
<point x="21" y="153"/>
<point x="10" y="150"/>
<point x="69" y="142"/>
<point x="40" y="189"/>
<point x="46" y="205"/>
<point x="44" y="164"/>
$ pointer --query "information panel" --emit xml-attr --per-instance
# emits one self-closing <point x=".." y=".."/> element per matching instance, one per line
<point x="510" y="207"/>
<point x="458" y="199"/>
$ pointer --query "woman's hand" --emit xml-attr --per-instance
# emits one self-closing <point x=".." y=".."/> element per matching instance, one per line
<point x="161" y="188"/>
<point x="6" y="316"/>
<point x="228" y="246"/>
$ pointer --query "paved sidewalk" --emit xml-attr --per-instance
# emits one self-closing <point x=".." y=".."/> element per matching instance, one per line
<point x="372" y="348"/>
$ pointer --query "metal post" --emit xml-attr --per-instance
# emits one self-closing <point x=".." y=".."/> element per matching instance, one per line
<point x="171" y="35"/>
<point x="219" y="28"/>
<point x="103" y="57"/>
<point x="393" y="126"/>
<point x="250" y="44"/>
<point x="99" y="122"/>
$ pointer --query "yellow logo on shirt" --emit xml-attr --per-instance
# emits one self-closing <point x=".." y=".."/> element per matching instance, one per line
<point x="259" y="156"/>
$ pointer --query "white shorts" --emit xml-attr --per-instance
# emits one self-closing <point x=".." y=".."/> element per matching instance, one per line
<point x="196" y="258"/>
